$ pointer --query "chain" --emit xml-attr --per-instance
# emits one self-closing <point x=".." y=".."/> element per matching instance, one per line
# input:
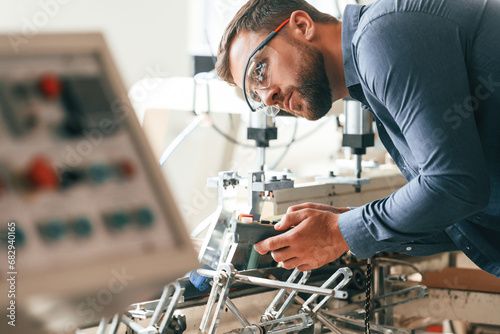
<point x="368" y="294"/>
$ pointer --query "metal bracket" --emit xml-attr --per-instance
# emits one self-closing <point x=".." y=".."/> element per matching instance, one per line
<point x="347" y="273"/>
<point x="271" y="313"/>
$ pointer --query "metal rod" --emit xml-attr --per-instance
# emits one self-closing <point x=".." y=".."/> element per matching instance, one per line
<point x="283" y="285"/>
<point x="271" y="309"/>
<point x="204" y="224"/>
<point x="376" y="329"/>
<point x="231" y="253"/>
<point x="358" y="159"/>
<point x="347" y="277"/>
<point x="180" y="138"/>
<point x="113" y="328"/>
<point x="220" y="305"/>
<point x="207" y="273"/>
<point x="230" y="305"/>
<point x="211" y="301"/>
<point x="261" y="153"/>
<point x="328" y="324"/>
<point x="290" y="298"/>
<point x="102" y="326"/>
<point x="131" y="324"/>
<point x="304" y="321"/>
<point x="167" y="290"/>
<point x="167" y="318"/>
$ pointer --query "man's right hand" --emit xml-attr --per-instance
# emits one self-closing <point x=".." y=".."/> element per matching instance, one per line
<point x="314" y="240"/>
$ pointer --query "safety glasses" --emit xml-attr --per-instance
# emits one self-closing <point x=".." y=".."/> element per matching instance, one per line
<point x="257" y="75"/>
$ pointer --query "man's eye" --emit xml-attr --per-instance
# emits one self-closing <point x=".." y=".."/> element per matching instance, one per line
<point x="254" y="96"/>
<point x="260" y="72"/>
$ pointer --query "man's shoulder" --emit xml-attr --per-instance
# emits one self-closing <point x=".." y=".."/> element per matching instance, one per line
<point x="384" y="16"/>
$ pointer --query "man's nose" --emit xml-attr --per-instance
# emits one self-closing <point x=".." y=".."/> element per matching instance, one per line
<point x="270" y="95"/>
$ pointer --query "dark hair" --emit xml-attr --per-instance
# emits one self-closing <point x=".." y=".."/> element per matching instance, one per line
<point x="261" y="16"/>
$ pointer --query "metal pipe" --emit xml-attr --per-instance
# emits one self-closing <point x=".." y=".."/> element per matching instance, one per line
<point x="169" y="312"/>
<point x="207" y="272"/>
<point x="223" y="294"/>
<point x="283" y="285"/>
<point x="167" y="290"/>
<point x="211" y="299"/>
<point x="275" y="284"/>
<point x="290" y="298"/>
<point x="347" y="273"/>
<point x="328" y="324"/>
<point x="114" y="324"/>
<point x="132" y="324"/>
<point x="271" y="309"/>
<point x="230" y="305"/>
<point x="102" y="326"/>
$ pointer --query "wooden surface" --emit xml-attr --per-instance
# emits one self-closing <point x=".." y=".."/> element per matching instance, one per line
<point x="462" y="279"/>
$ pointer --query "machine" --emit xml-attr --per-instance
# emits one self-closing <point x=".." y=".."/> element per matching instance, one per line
<point x="87" y="222"/>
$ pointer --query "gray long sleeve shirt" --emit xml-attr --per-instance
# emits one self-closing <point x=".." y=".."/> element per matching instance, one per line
<point x="429" y="70"/>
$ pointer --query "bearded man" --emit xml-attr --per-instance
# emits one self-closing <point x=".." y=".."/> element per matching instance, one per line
<point x="429" y="72"/>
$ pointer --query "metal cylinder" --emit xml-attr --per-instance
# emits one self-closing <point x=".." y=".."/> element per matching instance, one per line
<point x="260" y="120"/>
<point x="358" y="121"/>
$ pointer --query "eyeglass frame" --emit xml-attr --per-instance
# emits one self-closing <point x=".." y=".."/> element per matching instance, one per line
<point x="257" y="49"/>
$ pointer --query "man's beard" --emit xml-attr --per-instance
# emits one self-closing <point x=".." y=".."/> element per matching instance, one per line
<point x="314" y="86"/>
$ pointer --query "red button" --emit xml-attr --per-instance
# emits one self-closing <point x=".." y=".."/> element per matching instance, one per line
<point x="42" y="175"/>
<point x="50" y="86"/>
<point x="127" y="169"/>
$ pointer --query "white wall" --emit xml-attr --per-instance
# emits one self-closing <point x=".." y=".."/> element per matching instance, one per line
<point x="146" y="37"/>
<point x="208" y="19"/>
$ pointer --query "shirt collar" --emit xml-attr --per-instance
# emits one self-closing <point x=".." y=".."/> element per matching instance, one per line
<point x="350" y="23"/>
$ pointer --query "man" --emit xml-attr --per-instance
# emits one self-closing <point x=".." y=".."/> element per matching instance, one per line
<point x="429" y="71"/>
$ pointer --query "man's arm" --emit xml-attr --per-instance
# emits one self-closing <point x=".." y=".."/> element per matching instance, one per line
<point x="416" y="67"/>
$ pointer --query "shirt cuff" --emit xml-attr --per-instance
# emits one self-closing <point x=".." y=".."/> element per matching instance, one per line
<point x="355" y="233"/>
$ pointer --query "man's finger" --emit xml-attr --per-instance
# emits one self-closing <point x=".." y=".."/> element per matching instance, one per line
<point x="317" y="206"/>
<point x="282" y="254"/>
<point x="305" y="267"/>
<point x="291" y="263"/>
<point x="293" y="219"/>
<point x="271" y="244"/>
<point x="298" y="207"/>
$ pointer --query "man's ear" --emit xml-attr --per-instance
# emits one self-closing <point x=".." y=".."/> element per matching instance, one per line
<point x="302" y="25"/>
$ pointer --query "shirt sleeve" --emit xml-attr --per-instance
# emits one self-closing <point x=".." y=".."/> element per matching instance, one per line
<point x="415" y="65"/>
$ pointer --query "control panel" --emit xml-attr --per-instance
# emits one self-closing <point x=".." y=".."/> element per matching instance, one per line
<point x="81" y="194"/>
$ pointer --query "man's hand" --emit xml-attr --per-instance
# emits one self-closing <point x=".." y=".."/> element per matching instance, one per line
<point x="313" y="242"/>
<point x="322" y="207"/>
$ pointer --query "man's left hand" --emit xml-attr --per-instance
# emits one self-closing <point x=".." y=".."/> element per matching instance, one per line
<point x="313" y="242"/>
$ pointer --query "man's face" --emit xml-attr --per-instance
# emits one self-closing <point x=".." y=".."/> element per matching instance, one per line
<point x="299" y="84"/>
